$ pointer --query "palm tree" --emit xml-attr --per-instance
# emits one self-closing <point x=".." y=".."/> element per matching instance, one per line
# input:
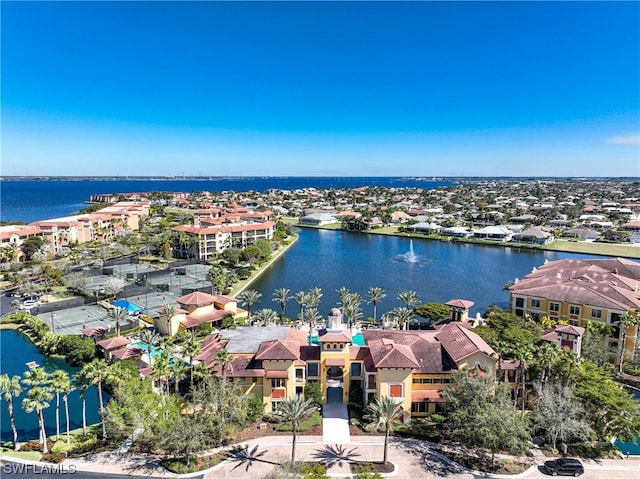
<point x="343" y="293"/>
<point x="301" y="299"/>
<point x="191" y="348"/>
<point x="248" y="297"/>
<point x="162" y="372"/>
<point x="201" y="373"/>
<point x="313" y="297"/>
<point x="501" y="348"/>
<point x="295" y="410"/>
<point x="167" y="312"/>
<point x="409" y="298"/>
<point x="352" y="308"/>
<point x="82" y="382"/>
<point x="118" y="315"/>
<point x="179" y="370"/>
<point x="376" y="295"/>
<point x="10" y="387"/>
<point x="571" y="361"/>
<point x="36" y="377"/>
<point x="65" y="398"/>
<point x="547" y="355"/>
<point x="223" y="357"/>
<point x="523" y="354"/>
<point x="97" y="372"/>
<point x="626" y="321"/>
<point x="385" y="412"/>
<point x="310" y="316"/>
<point x="281" y="295"/>
<point x="38" y="399"/>
<point x="266" y="316"/>
<point x="149" y="338"/>
<point x="60" y="382"/>
<point x="402" y="316"/>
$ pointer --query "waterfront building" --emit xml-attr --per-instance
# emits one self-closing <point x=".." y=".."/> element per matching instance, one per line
<point x="13" y="236"/>
<point x="582" y="291"/>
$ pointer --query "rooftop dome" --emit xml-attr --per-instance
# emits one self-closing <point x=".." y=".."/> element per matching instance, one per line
<point x="335" y="312"/>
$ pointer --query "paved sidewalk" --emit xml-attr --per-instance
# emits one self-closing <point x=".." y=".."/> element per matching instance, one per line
<point x="335" y="424"/>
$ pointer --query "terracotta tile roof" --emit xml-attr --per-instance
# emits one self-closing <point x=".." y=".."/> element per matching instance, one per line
<point x="128" y="353"/>
<point x="113" y="343"/>
<point x="299" y="336"/>
<point x="211" y="345"/>
<point x="330" y="336"/>
<point x="386" y="353"/>
<point x="222" y="299"/>
<point x="459" y="303"/>
<point x="334" y="362"/>
<point x="277" y="374"/>
<point x="197" y="298"/>
<point x="193" y="320"/>
<point x="460" y="343"/>
<point x="242" y="366"/>
<point x="280" y="349"/>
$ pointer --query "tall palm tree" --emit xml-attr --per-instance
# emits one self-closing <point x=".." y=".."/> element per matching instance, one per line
<point x="60" y="382"/>
<point x="82" y="382"/>
<point x="179" y="371"/>
<point x="295" y="410"/>
<point x="571" y="362"/>
<point x="547" y="355"/>
<point x="37" y="400"/>
<point x="201" y="373"/>
<point x="385" y="412"/>
<point x="409" y="298"/>
<point x="343" y="294"/>
<point x="523" y="354"/>
<point x="248" y="297"/>
<point x="118" y="316"/>
<point x="149" y="338"/>
<point x="501" y="348"/>
<point x="313" y="297"/>
<point x="223" y="357"/>
<point x="311" y="316"/>
<point x="375" y="296"/>
<point x="266" y="316"/>
<point x="97" y="371"/>
<point x="403" y="316"/>
<point x="167" y="312"/>
<point x="69" y="388"/>
<point x="10" y="387"/>
<point x="36" y="377"/>
<point x="352" y="308"/>
<point x="191" y="348"/>
<point x="301" y="299"/>
<point x="162" y="372"/>
<point x="281" y="295"/>
<point x="626" y="321"/>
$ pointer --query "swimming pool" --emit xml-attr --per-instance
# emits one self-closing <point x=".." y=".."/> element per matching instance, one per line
<point x="358" y="340"/>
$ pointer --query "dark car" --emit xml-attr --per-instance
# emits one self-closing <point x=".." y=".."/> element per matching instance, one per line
<point x="564" y="467"/>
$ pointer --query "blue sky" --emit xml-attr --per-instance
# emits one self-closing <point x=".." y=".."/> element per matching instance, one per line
<point x="327" y="88"/>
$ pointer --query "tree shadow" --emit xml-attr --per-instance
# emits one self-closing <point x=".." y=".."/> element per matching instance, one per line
<point x="336" y="454"/>
<point x="246" y="456"/>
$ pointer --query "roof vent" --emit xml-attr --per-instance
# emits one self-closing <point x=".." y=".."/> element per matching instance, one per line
<point x="558" y="275"/>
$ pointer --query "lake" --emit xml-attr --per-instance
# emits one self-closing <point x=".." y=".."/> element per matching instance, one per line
<point x="15" y="350"/>
<point x="330" y="259"/>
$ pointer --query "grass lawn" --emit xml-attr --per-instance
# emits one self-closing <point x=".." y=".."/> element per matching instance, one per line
<point x="6" y="450"/>
<point x="76" y="439"/>
<point x="607" y="249"/>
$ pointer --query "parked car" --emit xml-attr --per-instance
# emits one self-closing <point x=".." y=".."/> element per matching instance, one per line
<point x="564" y="466"/>
<point x="29" y="304"/>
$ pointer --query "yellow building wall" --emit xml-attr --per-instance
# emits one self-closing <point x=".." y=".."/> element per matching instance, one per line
<point x="485" y="362"/>
<point x="289" y="382"/>
<point x="169" y="327"/>
<point x="346" y="370"/>
<point x="387" y="377"/>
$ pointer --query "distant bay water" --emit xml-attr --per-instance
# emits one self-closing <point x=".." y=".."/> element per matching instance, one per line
<point x="30" y="201"/>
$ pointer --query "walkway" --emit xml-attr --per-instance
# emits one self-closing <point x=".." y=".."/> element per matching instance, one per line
<point x="335" y="419"/>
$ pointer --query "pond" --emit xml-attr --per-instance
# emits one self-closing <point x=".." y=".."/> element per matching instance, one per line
<point x="16" y="350"/>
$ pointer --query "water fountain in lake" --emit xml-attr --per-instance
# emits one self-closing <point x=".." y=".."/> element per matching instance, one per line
<point x="409" y="256"/>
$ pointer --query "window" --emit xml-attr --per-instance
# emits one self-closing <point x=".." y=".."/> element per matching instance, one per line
<point x="596" y="313"/>
<point x="254" y="380"/>
<point x="278" y="383"/>
<point x="519" y="302"/>
<point x="395" y="391"/>
<point x="574" y="310"/>
<point x="446" y="381"/>
<point x="312" y="369"/>
<point x="422" y="380"/>
<point x="437" y="380"/>
<point x="554" y="307"/>
<point x="419" y="407"/>
<point x="274" y="405"/>
<point x="535" y="303"/>
<point x="356" y="369"/>
<point x="299" y="374"/>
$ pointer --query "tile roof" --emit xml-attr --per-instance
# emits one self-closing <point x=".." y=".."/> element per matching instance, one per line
<point x="197" y="298"/>
<point x="128" y="353"/>
<point x="193" y="320"/>
<point x="113" y="343"/>
<point x="241" y="366"/>
<point x="460" y="343"/>
<point x="279" y="350"/>
<point x="459" y="303"/>
<point x="334" y="336"/>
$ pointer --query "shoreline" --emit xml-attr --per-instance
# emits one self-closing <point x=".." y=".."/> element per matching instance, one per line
<point x="580" y="247"/>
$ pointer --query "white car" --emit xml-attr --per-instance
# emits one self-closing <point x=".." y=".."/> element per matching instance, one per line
<point x="29" y="304"/>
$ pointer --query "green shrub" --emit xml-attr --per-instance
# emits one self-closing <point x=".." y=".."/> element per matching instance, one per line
<point x="54" y="457"/>
<point x="255" y="408"/>
<point x="77" y="350"/>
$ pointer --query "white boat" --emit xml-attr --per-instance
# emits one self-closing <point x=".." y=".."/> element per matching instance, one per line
<point x="32" y="364"/>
